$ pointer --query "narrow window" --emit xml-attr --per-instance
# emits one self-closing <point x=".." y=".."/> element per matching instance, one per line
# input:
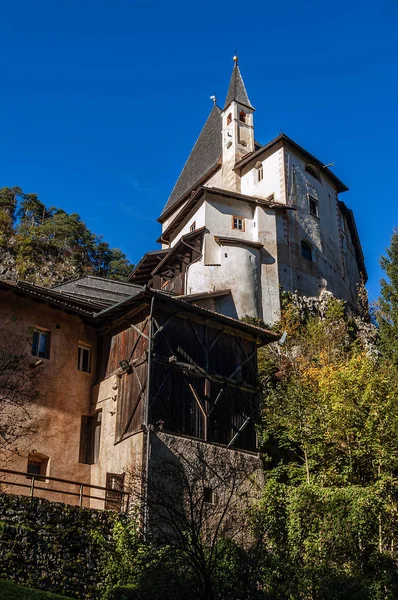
<point x="306" y="250"/>
<point x="37" y="465"/>
<point x="83" y="358"/>
<point x="90" y="439"/>
<point x="193" y="226"/>
<point x="41" y="343"/>
<point x="242" y="116"/>
<point x="113" y="495"/>
<point x="208" y="496"/>
<point x="259" y="170"/>
<point x="229" y="119"/>
<point x="313" y="206"/>
<point x="238" y="223"/>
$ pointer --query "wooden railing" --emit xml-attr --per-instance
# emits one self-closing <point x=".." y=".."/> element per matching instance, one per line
<point x="116" y="500"/>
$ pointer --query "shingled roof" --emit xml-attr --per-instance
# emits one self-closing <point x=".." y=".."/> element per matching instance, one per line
<point x="97" y="289"/>
<point x="204" y="158"/>
<point x="237" y="90"/>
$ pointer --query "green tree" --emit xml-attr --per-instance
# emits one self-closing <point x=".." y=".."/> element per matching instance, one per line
<point x="387" y="310"/>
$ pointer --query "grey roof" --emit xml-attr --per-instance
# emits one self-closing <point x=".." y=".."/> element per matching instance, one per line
<point x="204" y="157"/>
<point x="106" y="291"/>
<point x="237" y="90"/>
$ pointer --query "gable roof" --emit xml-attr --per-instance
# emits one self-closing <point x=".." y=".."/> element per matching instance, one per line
<point x="237" y="90"/>
<point x="204" y="158"/>
<point x="340" y="186"/>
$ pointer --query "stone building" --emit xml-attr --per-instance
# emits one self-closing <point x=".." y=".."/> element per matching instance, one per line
<point x="246" y="219"/>
<point x="125" y="373"/>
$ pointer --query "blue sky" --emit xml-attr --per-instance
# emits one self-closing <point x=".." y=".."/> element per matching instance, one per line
<point x="102" y="100"/>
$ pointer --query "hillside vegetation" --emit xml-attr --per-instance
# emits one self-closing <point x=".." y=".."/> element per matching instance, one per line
<point x="13" y="591"/>
<point x="46" y="245"/>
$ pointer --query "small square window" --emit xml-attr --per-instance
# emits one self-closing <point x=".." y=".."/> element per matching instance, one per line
<point x="193" y="226"/>
<point x="37" y="465"/>
<point x="41" y="343"/>
<point x="238" y="223"/>
<point x="313" y="206"/>
<point x="83" y="359"/>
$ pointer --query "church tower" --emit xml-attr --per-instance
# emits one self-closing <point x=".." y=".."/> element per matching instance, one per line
<point x="237" y="129"/>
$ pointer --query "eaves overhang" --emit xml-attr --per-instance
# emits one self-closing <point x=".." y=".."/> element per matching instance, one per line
<point x="200" y="191"/>
<point x="284" y="139"/>
<point x="231" y="325"/>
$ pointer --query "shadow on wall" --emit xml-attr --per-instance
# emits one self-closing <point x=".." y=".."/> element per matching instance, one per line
<point x="226" y="306"/>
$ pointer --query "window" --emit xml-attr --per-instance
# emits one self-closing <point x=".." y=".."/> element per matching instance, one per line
<point x="242" y="116"/>
<point x="41" y="343"/>
<point x="208" y="495"/>
<point x="312" y="171"/>
<point x="306" y="250"/>
<point x="90" y="438"/>
<point x="313" y="206"/>
<point x="260" y="172"/>
<point x="113" y="496"/>
<point x="229" y="119"/>
<point x="83" y="358"/>
<point x="37" y="465"/>
<point x="193" y="226"/>
<point x="238" y="223"/>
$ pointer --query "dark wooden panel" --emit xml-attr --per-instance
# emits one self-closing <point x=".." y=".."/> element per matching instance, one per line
<point x="199" y="402"/>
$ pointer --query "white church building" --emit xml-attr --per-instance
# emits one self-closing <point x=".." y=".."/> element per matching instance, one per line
<point x="245" y="220"/>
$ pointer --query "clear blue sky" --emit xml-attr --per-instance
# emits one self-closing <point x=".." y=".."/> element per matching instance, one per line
<point x="102" y="100"/>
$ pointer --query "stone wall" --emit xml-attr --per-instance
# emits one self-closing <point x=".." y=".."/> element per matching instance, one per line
<point x="52" y="546"/>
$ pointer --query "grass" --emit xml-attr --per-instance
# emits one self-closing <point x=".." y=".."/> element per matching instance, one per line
<point x="13" y="591"/>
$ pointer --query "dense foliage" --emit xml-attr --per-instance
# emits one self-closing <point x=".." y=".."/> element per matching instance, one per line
<point x="47" y="245"/>
<point x="330" y="442"/>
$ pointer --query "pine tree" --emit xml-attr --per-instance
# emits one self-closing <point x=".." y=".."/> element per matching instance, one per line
<point x="387" y="313"/>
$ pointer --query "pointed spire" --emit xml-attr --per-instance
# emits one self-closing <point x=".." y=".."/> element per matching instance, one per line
<point x="237" y="90"/>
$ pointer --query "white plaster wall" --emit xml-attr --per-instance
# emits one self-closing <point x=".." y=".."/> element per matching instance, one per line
<point x="197" y="216"/>
<point x="269" y="290"/>
<point x="273" y="178"/>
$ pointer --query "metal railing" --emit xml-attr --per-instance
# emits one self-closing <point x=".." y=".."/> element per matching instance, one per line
<point x="116" y="500"/>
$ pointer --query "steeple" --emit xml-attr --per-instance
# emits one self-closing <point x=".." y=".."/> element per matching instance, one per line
<point x="237" y="91"/>
<point x="237" y="129"/>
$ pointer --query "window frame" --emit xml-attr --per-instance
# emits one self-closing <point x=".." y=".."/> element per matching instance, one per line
<point x="259" y="171"/>
<point x="90" y="438"/>
<point x="242" y="116"/>
<point x="41" y="332"/>
<point x="242" y="219"/>
<point x="312" y="199"/>
<point x="192" y="227"/>
<point x="36" y="458"/>
<point x="82" y="347"/>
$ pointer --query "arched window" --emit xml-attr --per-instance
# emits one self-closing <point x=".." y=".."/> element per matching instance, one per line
<point x="242" y="116"/>
<point x="259" y="171"/>
<point x="306" y="250"/>
<point x="229" y="119"/>
<point x="312" y="171"/>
